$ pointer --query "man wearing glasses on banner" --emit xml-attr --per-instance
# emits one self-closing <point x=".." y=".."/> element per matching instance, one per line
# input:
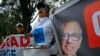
<point x="71" y="38"/>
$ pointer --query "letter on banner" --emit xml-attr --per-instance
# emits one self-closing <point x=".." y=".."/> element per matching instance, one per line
<point x="96" y="22"/>
<point x="92" y="22"/>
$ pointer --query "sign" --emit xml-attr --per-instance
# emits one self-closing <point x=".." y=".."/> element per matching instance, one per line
<point x="37" y="52"/>
<point x="85" y="13"/>
<point x="13" y="45"/>
<point x="92" y="21"/>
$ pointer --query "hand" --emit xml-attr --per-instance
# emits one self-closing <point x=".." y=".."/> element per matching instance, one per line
<point x="27" y="35"/>
<point x="44" y="46"/>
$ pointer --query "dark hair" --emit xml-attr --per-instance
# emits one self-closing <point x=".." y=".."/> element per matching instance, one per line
<point x="42" y="5"/>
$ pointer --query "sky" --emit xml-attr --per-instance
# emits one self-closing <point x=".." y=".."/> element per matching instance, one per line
<point x="0" y="1"/>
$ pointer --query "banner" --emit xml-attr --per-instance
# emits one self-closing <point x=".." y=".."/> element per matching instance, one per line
<point x="77" y="25"/>
<point x="14" y="45"/>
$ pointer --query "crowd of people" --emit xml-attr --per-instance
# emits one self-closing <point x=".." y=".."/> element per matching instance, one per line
<point x="42" y="32"/>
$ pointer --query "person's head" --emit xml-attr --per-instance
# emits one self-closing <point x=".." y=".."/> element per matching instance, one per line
<point x="19" y="28"/>
<point x="71" y="38"/>
<point x="43" y="10"/>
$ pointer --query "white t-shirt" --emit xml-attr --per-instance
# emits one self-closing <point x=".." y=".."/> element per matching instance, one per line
<point x="43" y="33"/>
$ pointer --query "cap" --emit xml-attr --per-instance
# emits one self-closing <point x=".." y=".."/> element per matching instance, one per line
<point x="19" y="24"/>
<point x="42" y="5"/>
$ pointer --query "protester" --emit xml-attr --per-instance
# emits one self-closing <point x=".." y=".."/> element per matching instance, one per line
<point x="20" y="28"/>
<point x="42" y="31"/>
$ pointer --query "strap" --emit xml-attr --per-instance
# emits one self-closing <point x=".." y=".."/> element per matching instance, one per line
<point x="52" y="42"/>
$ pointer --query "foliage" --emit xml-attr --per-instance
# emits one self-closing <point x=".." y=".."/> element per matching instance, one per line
<point x="22" y="11"/>
<point x="7" y="25"/>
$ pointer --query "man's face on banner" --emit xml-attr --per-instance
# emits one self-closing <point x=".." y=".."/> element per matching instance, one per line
<point x="72" y="38"/>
